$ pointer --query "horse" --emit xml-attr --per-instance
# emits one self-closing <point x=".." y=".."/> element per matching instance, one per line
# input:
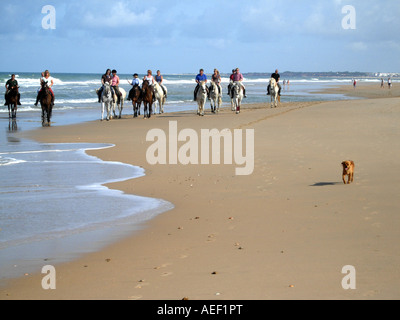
<point x="274" y="92"/>
<point x="106" y="101"/>
<point x="45" y="102"/>
<point x="160" y="98"/>
<point x="135" y="95"/>
<point x="12" y="101"/>
<point x="201" y="98"/>
<point x="147" y="98"/>
<point x="215" y="97"/>
<point x="121" y="102"/>
<point x="237" y="98"/>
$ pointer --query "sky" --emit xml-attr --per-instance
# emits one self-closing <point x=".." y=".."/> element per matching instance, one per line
<point x="182" y="36"/>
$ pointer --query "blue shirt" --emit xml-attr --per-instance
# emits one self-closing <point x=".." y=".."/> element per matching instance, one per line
<point x="201" y="77"/>
<point x="135" y="81"/>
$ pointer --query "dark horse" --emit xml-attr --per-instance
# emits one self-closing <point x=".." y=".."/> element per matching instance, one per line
<point x="12" y="101"/>
<point x="45" y="102"/>
<point x="147" y="98"/>
<point x="135" y="94"/>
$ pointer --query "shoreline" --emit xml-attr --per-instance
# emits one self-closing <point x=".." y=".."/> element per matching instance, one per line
<point x="175" y="255"/>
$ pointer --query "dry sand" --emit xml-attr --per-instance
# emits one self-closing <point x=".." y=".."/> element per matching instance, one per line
<point x="284" y="232"/>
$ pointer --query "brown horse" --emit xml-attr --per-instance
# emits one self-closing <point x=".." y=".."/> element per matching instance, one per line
<point x="147" y="98"/>
<point x="45" y="102"/>
<point x="135" y="94"/>
<point x="12" y="101"/>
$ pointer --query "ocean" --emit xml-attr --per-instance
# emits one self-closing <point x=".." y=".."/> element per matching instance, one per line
<point x="53" y="205"/>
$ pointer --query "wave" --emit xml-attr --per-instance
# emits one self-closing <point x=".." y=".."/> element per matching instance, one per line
<point x="9" y="161"/>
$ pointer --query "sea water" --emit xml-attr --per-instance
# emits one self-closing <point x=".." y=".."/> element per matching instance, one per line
<point x="53" y="203"/>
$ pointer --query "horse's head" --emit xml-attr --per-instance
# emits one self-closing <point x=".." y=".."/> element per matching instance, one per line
<point x="272" y="82"/>
<point x="202" y="85"/>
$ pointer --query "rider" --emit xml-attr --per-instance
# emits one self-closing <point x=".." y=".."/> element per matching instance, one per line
<point x="115" y="85"/>
<point x="216" y="78"/>
<point x="277" y="77"/>
<point x="46" y="79"/>
<point x="135" y="82"/>
<point x="199" y="78"/>
<point x="150" y="79"/>
<point x="238" y="77"/>
<point x="159" y="79"/>
<point x="230" y="82"/>
<point x="105" y="78"/>
<point x="11" y="84"/>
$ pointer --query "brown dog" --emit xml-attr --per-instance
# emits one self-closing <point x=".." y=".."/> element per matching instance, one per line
<point x="348" y="170"/>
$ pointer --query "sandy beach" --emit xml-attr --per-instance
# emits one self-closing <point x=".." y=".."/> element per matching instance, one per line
<point x="283" y="232"/>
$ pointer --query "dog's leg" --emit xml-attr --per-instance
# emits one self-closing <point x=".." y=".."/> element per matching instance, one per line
<point x="344" y="180"/>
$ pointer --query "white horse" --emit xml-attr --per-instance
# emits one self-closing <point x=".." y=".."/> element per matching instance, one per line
<point x="215" y="98"/>
<point x="201" y="98"/>
<point x="160" y="97"/>
<point x="274" y="92"/>
<point x="238" y="95"/>
<point x="106" y="101"/>
<point x="120" y="104"/>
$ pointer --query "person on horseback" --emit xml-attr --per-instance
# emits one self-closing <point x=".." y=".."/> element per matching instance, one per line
<point x="230" y="82"/>
<point x="277" y="77"/>
<point x="159" y="80"/>
<point x="135" y="82"/>
<point x="105" y="78"/>
<point x="238" y="77"/>
<point x="216" y="78"/>
<point x="10" y="85"/>
<point x="115" y="85"/>
<point x="199" y="78"/>
<point x="47" y="80"/>
<point x="150" y="79"/>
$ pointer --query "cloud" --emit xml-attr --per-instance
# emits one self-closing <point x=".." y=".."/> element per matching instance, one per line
<point x="118" y="15"/>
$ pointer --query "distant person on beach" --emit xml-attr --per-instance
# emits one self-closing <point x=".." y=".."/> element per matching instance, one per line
<point x="48" y="80"/>
<point x="115" y="85"/>
<point x="238" y="77"/>
<point x="390" y="83"/>
<point x="354" y="83"/>
<point x="277" y="77"/>
<point x="216" y="78"/>
<point x="11" y="84"/>
<point x="105" y="78"/>
<point x="199" y="78"/>
<point x="382" y="83"/>
<point x="159" y="80"/>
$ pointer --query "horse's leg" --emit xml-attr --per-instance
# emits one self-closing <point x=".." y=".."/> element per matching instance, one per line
<point x="9" y="111"/>
<point x="122" y="107"/>
<point x="102" y="111"/>
<point x="48" y="115"/>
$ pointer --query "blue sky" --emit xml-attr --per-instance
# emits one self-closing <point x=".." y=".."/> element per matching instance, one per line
<point x="183" y="36"/>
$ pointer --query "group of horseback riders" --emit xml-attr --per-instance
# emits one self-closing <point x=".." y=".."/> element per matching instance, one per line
<point x="45" y="80"/>
<point x="236" y="76"/>
<point x="113" y="79"/>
